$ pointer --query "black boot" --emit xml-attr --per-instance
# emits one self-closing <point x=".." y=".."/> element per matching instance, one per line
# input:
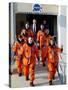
<point x="32" y="84"/>
<point x="43" y="64"/>
<point x="27" y="78"/>
<point x="53" y="77"/>
<point x="20" y="74"/>
<point x="50" y="82"/>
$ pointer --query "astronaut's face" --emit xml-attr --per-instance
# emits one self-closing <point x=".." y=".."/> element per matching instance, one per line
<point x="30" y="40"/>
<point x="27" y="26"/>
<point x="23" y="32"/>
<point x="34" y="21"/>
<point x="42" y="27"/>
<point x="19" y="38"/>
<point x="51" y="42"/>
<point x="47" y="31"/>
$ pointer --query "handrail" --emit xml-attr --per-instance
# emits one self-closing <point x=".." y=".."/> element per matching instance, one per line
<point x="62" y="62"/>
<point x="61" y="56"/>
<point x="62" y="76"/>
<point x="61" y="67"/>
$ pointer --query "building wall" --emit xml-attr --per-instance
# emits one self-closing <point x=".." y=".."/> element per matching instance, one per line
<point x="48" y="9"/>
<point x="62" y="40"/>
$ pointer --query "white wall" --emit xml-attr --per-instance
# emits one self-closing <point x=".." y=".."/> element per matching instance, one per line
<point x="12" y="23"/>
<point x="62" y="40"/>
<point x="25" y="7"/>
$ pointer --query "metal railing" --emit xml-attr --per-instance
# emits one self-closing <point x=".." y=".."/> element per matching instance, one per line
<point x="62" y="66"/>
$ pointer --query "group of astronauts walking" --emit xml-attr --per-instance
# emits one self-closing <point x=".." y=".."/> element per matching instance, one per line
<point x="30" y="46"/>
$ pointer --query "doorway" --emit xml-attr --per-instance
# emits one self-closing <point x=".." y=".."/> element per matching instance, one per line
<point x="22" y="18"/>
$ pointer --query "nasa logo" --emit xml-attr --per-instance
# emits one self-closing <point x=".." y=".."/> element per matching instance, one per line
<point x="37" y="7"/>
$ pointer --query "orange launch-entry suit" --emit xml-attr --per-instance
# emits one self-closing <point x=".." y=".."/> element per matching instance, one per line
<point x="53" y="57"/>
<point x="29" y="54"/>
<point x="16" y="46"/>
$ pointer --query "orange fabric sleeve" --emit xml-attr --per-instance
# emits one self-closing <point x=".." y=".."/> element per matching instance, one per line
<point x="58" y="49"/>
<point x="14" y="47"/>
<point x="38" y="36"/>
<point x="21" y="50"/>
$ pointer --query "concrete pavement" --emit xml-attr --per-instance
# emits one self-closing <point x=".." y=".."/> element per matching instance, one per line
<point x="40" y="74"/>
